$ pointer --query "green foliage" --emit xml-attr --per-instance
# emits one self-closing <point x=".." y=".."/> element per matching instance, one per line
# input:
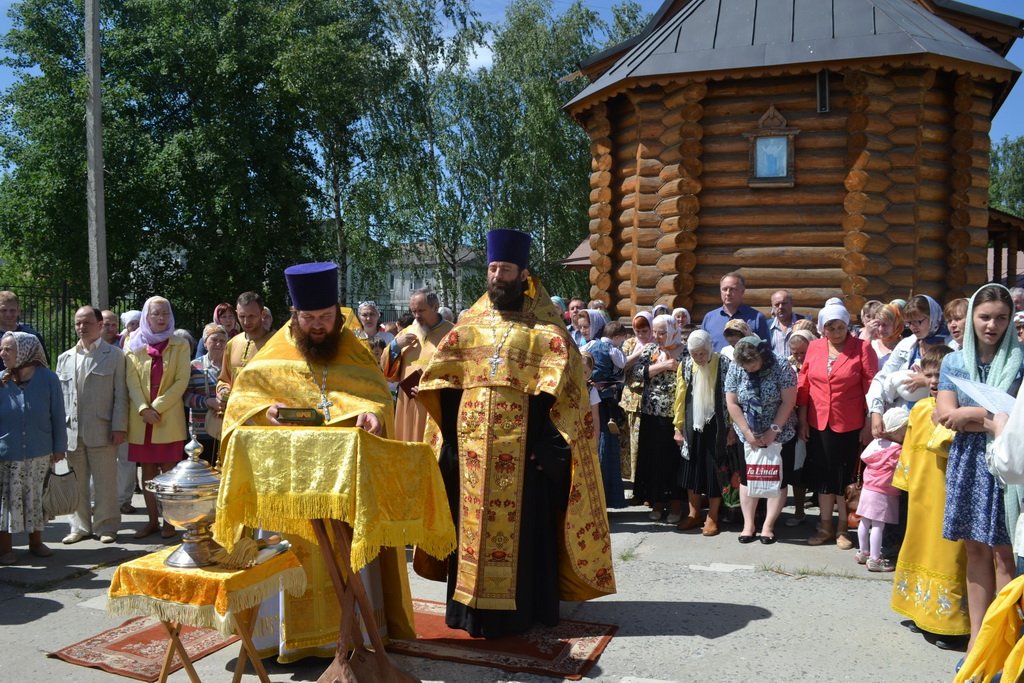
<point x="1006" y="191"/>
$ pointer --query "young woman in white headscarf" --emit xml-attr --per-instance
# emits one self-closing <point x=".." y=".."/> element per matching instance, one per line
<point x="702" y="430"/>
<point x="157" y="373"/>
<point x="34" y="435"/>
<point x="976" y="508"/>
<point x="923" y="315"/>
<point x="657" y="464"/>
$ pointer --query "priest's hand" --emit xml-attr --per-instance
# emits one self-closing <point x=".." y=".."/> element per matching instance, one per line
<point x="369" y="422"/>
<point x="272" y="414"/>
<point x="407" y="339"/>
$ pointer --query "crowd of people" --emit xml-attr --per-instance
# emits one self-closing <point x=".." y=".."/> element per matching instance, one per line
<point x="874" y="420"/>
<point x="877" y="422"/>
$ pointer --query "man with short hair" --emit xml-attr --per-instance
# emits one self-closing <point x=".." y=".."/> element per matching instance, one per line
<point x="242" y="347"/>
<point x="111" y="332"/>
<point x="408" y="355"/>
<point x="732" y="286"/>
<point x="92" y="378"/>
<point x="575" y="306"/>
<point x="781" y="325"/>
<point x="518" y="457"/>
<point x="314" y="361"/>
<point x="10" y="319"/>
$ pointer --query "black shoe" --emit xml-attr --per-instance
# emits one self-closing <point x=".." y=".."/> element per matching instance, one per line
<point x="746" y="539"/>
<point x="768" y="540"/>
<point x="127" y="509"/>
<point x="951" y="643"/>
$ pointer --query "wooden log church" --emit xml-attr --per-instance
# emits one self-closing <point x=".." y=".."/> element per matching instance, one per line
<point x="829" y="147"/>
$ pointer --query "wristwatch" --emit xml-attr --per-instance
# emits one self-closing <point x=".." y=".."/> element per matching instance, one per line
<point x="775" y="428"/>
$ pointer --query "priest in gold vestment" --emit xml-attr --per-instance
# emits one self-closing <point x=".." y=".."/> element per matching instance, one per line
<point x="408" y="354"/>
<point x="315" y="361"/>
<point x="508" y="390"/>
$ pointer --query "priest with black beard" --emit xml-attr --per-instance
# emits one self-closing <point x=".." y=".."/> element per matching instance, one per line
<point x="518" y="456"/>
<point x="316" y="362"/>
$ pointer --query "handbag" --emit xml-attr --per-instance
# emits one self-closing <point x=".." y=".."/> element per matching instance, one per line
<point x="764" y="471"/>
<point x="852" y="495"/>
<point x="60" y="493"/>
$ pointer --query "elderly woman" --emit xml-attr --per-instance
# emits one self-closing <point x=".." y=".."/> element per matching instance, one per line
<point x="223" y="315"/>
<point x="834" y="379"/>
<point x="201" y="394"/>
<point x="369" y="325"/>
<point x="924" y="316"/>
<point x="733" y="332"/>
<point x="33" y="436"/>
<point x="130" y="322"/>
<point x="760" y="391"/>
<point x="157" y="374"/>
<point x="682" y="317"/>
<point x="702" y="431"/>
<point x="799" y="341"/>
<point x="633" y="389"/>
<point x="657" y="462"/>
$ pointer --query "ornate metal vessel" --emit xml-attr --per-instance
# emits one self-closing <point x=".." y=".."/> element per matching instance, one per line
<point x="188" y="494"/>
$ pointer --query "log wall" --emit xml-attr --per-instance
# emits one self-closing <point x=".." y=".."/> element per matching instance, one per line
<point x="890" y="195"/>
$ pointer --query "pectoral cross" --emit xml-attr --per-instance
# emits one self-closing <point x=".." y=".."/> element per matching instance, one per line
<point x="494" y="361"/>
<point x="325" y="406"/>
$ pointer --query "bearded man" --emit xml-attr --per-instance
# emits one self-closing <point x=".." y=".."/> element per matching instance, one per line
<point x="314" y="361"/>
<point x="508" y="389"/>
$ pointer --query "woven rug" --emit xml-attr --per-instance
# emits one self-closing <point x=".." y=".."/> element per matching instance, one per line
<point x="136" y="648"/>
<point x="567" y="650"/>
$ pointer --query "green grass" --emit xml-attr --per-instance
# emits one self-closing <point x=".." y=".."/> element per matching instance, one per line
<point x="627" y="555"/>
<point x="804" y="572"/>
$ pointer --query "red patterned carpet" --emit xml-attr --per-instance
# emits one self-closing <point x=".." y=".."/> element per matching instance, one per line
<point x="136" y="648"/>
<point x="567" y="650"/>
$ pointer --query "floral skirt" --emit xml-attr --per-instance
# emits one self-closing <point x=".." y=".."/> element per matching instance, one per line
<point x="21" y="494"/>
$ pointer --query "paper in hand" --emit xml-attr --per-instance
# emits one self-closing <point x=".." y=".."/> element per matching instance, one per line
<point x="991" y="399"/>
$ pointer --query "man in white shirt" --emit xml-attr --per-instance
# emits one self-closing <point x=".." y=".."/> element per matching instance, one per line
<point x="780" y="327"/>
<point x="92" y="379"/>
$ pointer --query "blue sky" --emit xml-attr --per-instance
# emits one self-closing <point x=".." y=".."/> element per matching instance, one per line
<point x="1009" y="122"/>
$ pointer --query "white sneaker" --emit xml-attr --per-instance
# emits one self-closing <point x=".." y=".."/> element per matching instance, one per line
<point x="108" y="538"/>
<point x="75" y="537"/>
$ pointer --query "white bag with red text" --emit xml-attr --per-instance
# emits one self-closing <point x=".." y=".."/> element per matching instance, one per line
<point x="764" y="470"/>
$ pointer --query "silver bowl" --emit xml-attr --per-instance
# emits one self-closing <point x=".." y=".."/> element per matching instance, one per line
<point x="188" y="494"/>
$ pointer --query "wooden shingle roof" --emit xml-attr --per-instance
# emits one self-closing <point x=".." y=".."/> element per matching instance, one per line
<point x="707" y="36"/>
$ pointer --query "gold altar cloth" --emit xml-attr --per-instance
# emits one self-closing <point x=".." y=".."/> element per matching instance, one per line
<point x="207" y="597"/>
<point x="389" y="492"/>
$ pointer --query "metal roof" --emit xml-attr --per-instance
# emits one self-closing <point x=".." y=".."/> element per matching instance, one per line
<point x="721" y="35"/>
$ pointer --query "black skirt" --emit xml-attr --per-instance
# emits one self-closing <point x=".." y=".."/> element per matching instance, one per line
<point x="832" y="457"/>
<point x="657" y="461"/>
<point x="700" y="473"/>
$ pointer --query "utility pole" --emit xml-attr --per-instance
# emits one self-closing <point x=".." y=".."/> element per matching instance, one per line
<point x="98" y="290"/>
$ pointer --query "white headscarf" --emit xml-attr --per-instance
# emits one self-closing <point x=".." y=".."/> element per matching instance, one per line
<point x="703" y="389"/>
<point x="834" y="310"/>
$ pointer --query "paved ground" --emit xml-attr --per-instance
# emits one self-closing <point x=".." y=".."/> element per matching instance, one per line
<point x="688" y="608"/>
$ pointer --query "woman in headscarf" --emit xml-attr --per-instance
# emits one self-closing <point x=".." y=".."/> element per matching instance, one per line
<point x="201" y="395"/>
<point x="633" y="389"/>
<point x="682" y="317"/>
<point x="369" y="325"/>
<point x="34" y="435"/>
<point x="760" y="391"/>
<point x="158" y="372"/>
<point x="834" y="379"/>
<point x="976" y="510"/>
<point x="924" y="316"/>
<point x="129" y="322"/>
<point x="799" y="341"/>
<point x="702" y="430"/>
<point x="657" y="462"/>
<point x="606" y="379"/>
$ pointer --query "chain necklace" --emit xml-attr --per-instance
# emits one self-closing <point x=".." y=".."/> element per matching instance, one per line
<point x="495" y="360"/>
<point x="324" y="404"/>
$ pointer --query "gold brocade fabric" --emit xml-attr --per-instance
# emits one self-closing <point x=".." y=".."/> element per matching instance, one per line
<point x="498" y="360"/>
<point x="389" y="492"/>
<point x="998" y="646"/>
<point x="207" y="597"/>
<point x="929" y="585"/>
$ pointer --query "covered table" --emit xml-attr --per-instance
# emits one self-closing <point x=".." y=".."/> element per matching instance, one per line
<point x="350" y="493"/>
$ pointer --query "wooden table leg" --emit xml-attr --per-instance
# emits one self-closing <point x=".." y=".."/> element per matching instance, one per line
<point x="173" y="629"/>
<point x="339" y="670"/>
<point x="245" y="622"/>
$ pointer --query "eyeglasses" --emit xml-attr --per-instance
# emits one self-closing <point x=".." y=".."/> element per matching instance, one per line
<point x="917" y="323"/>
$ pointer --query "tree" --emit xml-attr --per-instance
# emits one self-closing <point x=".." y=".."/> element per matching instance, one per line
<point x="1006" y="172"/>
